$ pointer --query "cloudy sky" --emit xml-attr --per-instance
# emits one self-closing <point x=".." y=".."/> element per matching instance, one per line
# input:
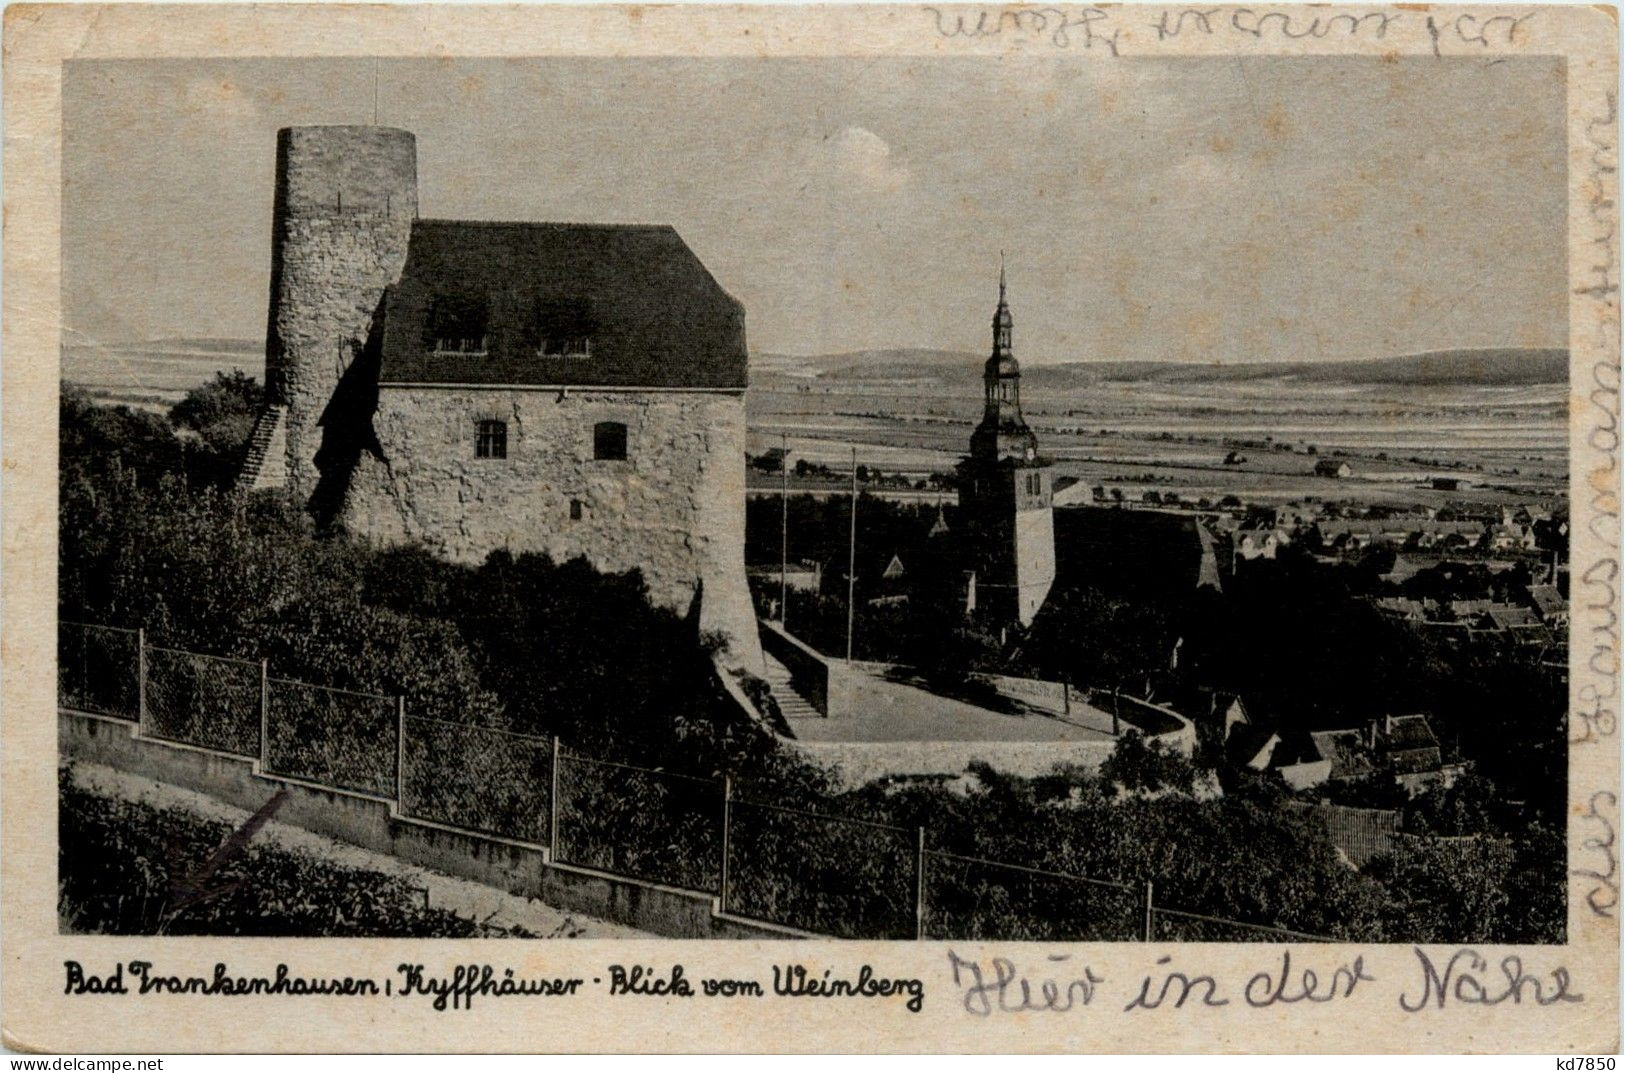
<point x="1192" y="209"/>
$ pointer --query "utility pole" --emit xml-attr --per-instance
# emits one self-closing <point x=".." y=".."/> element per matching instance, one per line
<point x="852" y="555"/>
<point x="784" y="532"/>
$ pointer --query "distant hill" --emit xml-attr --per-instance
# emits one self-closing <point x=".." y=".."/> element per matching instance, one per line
<point x="1494" y="366"/>
<point x="894" y="364"/>
<point x="158" y="368"/>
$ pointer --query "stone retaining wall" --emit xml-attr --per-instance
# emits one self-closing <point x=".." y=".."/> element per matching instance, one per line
<point x="372" y="823"/>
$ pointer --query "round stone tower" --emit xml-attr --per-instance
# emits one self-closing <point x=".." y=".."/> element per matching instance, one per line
<point x="345" y="201"/>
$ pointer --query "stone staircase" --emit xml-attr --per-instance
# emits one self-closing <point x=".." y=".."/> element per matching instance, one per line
<point x="791" y="702"/>
<point x="267" y="440"/>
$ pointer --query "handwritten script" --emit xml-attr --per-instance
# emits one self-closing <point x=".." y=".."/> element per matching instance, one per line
<point x="1101" y="29"/>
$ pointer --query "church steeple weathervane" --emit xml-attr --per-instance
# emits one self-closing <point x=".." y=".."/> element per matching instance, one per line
<point x="1001" y="319"/>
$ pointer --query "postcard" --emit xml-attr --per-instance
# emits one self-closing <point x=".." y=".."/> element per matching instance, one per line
<point x="801" y="528"/>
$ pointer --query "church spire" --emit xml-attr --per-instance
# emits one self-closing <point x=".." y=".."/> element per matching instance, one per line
<point x="1002" y="319"/>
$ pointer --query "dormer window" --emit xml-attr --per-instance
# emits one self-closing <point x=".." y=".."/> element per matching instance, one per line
<point x="458" y="326"/>
<point x="563" y="329"/>
<point x="569" y="346"/>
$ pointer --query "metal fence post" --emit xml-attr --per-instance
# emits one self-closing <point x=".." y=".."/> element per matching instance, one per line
<point x="727" y="830"/>
<point x="1145" y="921"/>
<point x="141" y="678"/>
<point x="553" y="803"/>
<point x="400" y="754"/>
<point x="265" y="714"/>
<point x="919" y="884"/>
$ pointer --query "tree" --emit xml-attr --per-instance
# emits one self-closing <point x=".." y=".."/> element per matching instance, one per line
<point x="1136" y="765"/>
<point x="216" y="419"/>
<point x="1444" y="890"/>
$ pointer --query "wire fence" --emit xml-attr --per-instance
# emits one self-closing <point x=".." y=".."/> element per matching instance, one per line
<point x="842" y="876"/>
<point x="337" y="737"/>
<point x="98" y="669"/>
<point x="835" y="875"/>
<point x="976" y="898"/>
<point x="479" y="778"/>
<point x="209" y="701"/>
<point x="656" y="825"/>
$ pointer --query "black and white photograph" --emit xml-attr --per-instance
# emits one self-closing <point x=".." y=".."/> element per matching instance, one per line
<point x="1037" y="497"/>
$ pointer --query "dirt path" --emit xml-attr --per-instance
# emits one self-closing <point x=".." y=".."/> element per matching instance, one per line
<point x="461" y="896"/>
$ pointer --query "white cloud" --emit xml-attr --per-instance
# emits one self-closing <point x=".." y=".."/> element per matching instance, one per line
<point x="861" y="158"/>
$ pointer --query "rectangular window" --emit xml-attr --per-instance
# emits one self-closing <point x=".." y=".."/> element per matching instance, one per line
<point x="609" y="441"/>
<point x="492" y="441"/>
<point x="575" y="510"/>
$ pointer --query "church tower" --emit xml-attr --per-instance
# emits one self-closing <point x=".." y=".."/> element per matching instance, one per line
<point x="1004" y="493"/>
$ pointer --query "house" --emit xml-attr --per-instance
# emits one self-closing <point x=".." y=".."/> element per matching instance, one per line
<point x="1406" y="567"/>
<point x="1399" y="607"/>
<point x="1405" y="744"/>
<point x="1550" y="605"/>
<point x="1234" y="458"/>
<point x="1510" y="617"/>
<point x="1511" y="536"/>
<point x="1293" y="755"/>
<point x="1434" y="533"/>
<point x="1069" y="491"/>
<point x="1346" y="752"/>
<point x="1249" y="544"/>
<point x="1331" y="467"/>
<point x="1347" y="534"/>
<point x="1470" y="611"/>
<point x="1401" y="747"/>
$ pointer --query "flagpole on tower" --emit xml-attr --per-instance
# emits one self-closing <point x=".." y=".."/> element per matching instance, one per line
<point x="784" y="531"/>
<point x="852" y="555"/>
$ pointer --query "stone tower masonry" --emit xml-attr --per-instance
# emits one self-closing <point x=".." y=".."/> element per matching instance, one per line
<point x="345" y="201"/>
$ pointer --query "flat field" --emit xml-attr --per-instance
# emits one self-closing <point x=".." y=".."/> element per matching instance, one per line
<point x="1498" y="442"/>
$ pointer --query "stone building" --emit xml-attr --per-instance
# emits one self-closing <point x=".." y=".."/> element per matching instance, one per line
<point x="573" y="389"/>
<point x="1004" y="494"/>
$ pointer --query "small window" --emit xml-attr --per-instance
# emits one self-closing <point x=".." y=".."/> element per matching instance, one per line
<point x="609" y="441"/>
<point x="572" y="346"/>
<point x="458" y="325"/>
<point x="575" y="510"/>
<point x="492" y="441"/>
<point x="563" y="329"/>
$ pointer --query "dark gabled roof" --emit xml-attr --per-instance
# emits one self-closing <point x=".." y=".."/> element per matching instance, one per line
<point x="652" y="313"/>
<point x="1296" y="747"/>
<point x="1130" y="553"/>
<point x="1407" y="732"/>
<point x="1547" y="599"/>
<point x="1246" y="742"/>
<point x="1511" y="618"/>
<point x="1346" y="750"/>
